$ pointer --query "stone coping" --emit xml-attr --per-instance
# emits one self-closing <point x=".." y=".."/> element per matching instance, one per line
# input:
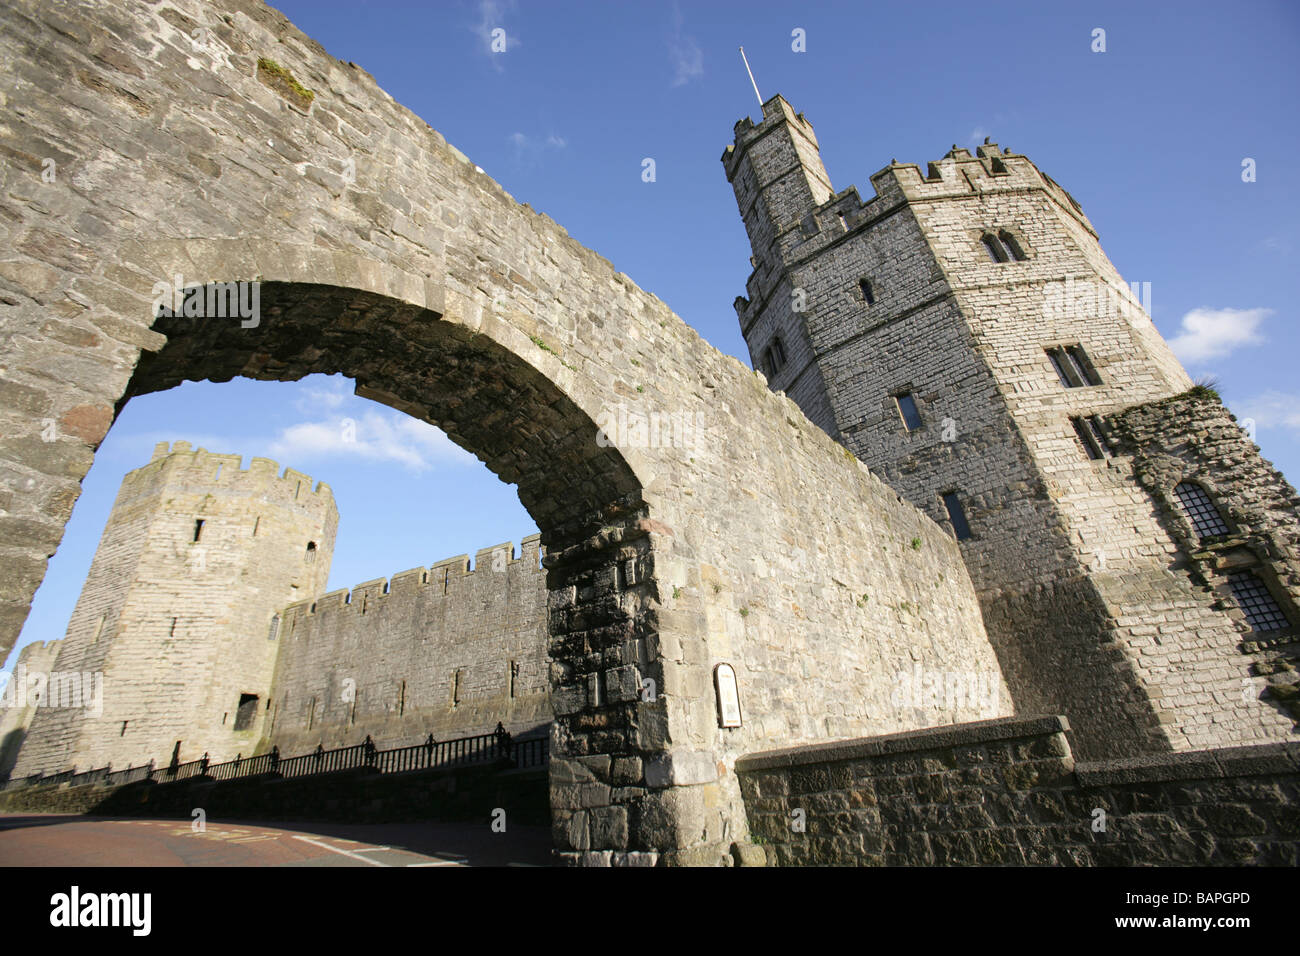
<point x="1256" y="760"/>
<point x="949" y="735"/>
<point x="1261" y="759"/>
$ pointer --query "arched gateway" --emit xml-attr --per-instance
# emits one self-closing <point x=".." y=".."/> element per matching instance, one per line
<point x="156" y="146"/>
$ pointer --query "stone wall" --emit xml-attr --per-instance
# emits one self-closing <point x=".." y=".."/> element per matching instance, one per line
<point x="175" y="618"/>
<point x="1070" y="564"/>
<point x="1193" y="437"/>
<point x="382" y="253"/>
<point x="1010" y="792"/>
<point x="445" y="650"/>
<point x="20" y="698"/>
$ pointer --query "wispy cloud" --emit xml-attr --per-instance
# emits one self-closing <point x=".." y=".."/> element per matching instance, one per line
<point x="978" y="134"/>
<point x="1272" y="409"/>
<point x="528" y="149"/>
<point x="373" y="435"/>
<point x="684" y="52"/>
<point x="1216" y="333"/>
<point x="491" y="18"/>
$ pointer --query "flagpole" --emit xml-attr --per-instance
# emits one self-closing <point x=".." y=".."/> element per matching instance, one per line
<point x="751" y="76"/>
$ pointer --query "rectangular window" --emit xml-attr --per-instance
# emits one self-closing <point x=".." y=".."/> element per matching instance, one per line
<point x="868" y="296"/>
<point x="198" y="529"/>
<point x="957" y="515"/>
<point x="907" y="409"/>
<point x="1091" y="437"/>
<point x="1072" y="366"/>
<point x="246" y="712"/>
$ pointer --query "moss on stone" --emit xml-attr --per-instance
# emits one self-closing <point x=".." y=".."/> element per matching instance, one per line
<point x="281" y="80"/>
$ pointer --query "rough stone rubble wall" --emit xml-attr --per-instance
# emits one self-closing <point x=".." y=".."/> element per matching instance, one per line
<point x="442" y="650"/>
<point x="1193" y="437"/>
<point x="1009" y="792"/>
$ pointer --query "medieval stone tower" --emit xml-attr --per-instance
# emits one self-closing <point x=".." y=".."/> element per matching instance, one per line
<point x="179" y="608"/>
<point x="963" y="333"/>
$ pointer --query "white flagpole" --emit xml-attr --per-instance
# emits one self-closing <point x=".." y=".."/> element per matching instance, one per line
<point x="751" y="75"/>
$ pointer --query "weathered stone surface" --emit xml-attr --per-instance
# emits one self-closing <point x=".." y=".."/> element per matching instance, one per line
<point x="1218" y="807"/>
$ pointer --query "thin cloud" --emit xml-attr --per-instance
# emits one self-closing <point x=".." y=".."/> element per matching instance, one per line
<point x="1217" y="333"/>
<point x="529" y="149"/>
<point x="374" y="436"/>
<point x="1272" y="409"/>
<point x="684" y="52"/>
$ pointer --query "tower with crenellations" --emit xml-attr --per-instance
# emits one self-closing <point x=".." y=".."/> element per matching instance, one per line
<point x="178" y="613"/>
<point x="962" y="332"/>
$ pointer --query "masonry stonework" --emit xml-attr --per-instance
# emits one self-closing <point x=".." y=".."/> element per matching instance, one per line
<point x="952" y="289"/>
<point x="803" y="536"/>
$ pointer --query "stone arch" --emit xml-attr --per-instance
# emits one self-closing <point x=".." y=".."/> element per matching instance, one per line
<point x="385" y="254"/>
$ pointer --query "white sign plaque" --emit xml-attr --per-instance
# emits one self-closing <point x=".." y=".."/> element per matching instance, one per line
<point x="724" y="681"/>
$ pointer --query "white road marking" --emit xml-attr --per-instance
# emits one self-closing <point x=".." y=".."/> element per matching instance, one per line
<point x="334" y="849"/>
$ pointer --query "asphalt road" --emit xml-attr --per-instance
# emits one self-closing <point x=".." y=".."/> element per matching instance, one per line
<point x="68" y="840"/>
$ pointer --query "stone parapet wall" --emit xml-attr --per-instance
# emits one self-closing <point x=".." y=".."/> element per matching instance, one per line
<point x="1009" y="792"/>
<point x="445" y="650"/>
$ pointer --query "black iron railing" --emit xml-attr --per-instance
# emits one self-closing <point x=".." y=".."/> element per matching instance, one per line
<point x="495" y="747"/>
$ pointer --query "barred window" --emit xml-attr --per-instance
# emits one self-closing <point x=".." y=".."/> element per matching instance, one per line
<point x="1200" y="510"/>
<point x="1262" y="611"/>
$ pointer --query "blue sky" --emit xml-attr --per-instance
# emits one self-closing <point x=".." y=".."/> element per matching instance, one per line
<point x="1149" y="136"/>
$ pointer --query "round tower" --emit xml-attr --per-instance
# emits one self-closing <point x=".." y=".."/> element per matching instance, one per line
<point x="177" y="619"/>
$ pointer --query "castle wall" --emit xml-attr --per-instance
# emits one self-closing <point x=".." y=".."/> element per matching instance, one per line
<point x="1009" y="792"/>
<point x="22" y="696"/>
<point x="444" y="650"/>
<point x="178" y="628"/>
<point x="1065" y="552"/>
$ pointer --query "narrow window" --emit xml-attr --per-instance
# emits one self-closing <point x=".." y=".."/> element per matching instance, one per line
<point x="172" y="631"/>
<point x="198" y="528"/>
<point x="455" y="689"/>
<point x="311" y="714"/>
<point x="868" y="296"/>
<point x="1012" y="247"/>
<point x="1072" y="366"/>
<point x="1091" y="437"/>
<point x="1082" y="364"/>
<point x="993" y="247"/>
<point x="907" y="409"/>
<point x="1262" y="611"/>
<point x="774" y="357"/>
<point x="123" y="733"/>
<point x="218" y="474"/>
<point x="297" y="491"/>
<point x="99" y="628"/>
<point x="311" y="552"/>
<point x="1200" y="510"/>
<point x="401" y="700"/>
<point x="274" y="630"/>
<point x="246" y="712"/>
<point x="513" y="673"/>
<point x="956" y="515"/>
<point x="256" y="521"/>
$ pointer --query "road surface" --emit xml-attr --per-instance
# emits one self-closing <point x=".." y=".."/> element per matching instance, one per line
<point x="71" y="840"/>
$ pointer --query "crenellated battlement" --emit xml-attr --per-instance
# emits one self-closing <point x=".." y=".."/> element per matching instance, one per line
<point x="216" y="470"/>
<point x="437" y="578"/>
<point x="957" y="174"/>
